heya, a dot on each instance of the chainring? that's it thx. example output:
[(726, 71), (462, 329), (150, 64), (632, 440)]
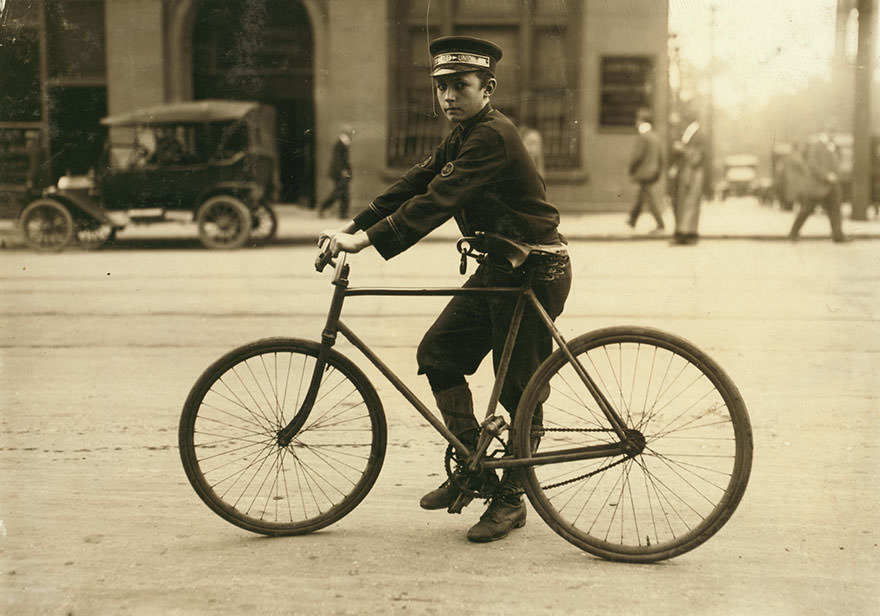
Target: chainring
[(479, 484)]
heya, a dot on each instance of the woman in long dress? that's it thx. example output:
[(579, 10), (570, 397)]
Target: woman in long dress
[(688, 194)]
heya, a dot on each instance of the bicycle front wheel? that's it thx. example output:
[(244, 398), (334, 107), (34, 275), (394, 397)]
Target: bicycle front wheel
[(229, 446), (686, 481)]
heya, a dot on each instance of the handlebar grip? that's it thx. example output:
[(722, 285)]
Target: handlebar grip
[(324, 257)]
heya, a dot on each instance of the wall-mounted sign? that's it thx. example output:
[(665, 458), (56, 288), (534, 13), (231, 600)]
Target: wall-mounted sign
[(626, 83)]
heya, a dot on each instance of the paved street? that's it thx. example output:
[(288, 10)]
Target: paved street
[(736, 218), (98, 351)]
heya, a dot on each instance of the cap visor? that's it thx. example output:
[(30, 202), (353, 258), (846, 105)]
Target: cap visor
[(454, 68)]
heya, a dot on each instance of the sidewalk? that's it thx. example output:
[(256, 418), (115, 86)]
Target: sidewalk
[(737, 218)]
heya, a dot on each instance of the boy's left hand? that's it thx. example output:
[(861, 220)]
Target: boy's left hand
[(341, 241)]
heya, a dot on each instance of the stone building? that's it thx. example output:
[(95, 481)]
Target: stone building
[(576, 70)]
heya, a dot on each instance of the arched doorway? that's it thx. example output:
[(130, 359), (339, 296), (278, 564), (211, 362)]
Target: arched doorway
[(263, 50)]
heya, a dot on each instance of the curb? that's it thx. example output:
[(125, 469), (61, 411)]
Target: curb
[(12, 241), (300, 227)]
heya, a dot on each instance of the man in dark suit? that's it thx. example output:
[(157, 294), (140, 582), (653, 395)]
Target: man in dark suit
[(645, 168), (340, 173), (820, 185)]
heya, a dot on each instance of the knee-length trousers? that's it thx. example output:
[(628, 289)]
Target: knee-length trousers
[(471, 326)]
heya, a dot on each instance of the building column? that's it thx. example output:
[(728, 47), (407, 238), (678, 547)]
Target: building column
[(135, 54), (862, 118)]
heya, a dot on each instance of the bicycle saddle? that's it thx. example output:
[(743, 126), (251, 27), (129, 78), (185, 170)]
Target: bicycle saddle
[(496, 245)]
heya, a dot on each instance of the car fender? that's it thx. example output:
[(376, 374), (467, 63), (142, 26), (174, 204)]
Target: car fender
[(248, 192), (79, 202)]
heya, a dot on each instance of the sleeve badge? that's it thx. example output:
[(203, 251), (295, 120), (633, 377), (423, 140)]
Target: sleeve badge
[(447, 169)]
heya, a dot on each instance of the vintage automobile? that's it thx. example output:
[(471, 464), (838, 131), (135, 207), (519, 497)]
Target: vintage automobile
[(212, 162), (740, 174)]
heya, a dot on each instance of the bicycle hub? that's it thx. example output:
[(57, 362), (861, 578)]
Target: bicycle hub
[(635, 443)]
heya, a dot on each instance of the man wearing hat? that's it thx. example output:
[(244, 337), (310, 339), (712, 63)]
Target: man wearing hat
[(340, 173), (482, 176), (645, 169)]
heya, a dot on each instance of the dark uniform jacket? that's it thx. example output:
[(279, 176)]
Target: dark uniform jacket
[(482, 175)]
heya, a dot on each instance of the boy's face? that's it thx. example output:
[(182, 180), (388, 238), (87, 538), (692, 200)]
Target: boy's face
[(461, 96)]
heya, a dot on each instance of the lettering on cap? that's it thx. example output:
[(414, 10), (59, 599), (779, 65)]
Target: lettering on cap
[(457, 57)]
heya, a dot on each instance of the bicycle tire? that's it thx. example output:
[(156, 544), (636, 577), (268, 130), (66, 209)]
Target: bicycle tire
[(228, 438), (673, 495)]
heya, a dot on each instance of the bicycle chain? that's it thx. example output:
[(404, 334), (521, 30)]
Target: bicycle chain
[(585, 475), (450, 456), (576, 430)]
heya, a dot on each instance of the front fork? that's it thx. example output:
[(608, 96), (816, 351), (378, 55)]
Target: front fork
[(328, 339)]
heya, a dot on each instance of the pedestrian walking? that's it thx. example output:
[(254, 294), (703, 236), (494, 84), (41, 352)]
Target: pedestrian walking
[(482, 176), (789, 171), (645, 168), (690, 159), (340, 173), (818, 183)]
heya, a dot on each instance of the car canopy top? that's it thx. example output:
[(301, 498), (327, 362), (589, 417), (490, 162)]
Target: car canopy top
[(183, 113), (741, 160)]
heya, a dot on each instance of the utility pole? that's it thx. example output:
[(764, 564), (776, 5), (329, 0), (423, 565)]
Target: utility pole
[(709, 184), (673, 75), (862, 117)]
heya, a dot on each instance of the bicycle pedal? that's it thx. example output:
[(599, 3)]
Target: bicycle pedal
[(462, 501)]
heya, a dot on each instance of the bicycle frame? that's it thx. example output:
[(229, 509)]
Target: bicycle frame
[(627, 445)]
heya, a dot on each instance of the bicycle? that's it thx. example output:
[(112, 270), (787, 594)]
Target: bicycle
[(630, 443)]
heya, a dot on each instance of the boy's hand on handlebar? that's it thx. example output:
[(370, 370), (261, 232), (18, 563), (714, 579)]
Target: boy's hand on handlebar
[(340, 241)]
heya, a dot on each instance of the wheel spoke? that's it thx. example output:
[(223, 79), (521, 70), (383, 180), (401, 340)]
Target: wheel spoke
[(230, 444), (672, 492)]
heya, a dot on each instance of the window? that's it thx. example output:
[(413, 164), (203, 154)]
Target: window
[(626, 86), (19, 63), (538, 75), (75, 33)]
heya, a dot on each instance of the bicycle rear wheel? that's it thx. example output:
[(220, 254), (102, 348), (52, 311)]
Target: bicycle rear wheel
[(673, 495), (228, 438)]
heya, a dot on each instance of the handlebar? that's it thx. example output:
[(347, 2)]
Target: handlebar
[(468, 246), (324, 257)]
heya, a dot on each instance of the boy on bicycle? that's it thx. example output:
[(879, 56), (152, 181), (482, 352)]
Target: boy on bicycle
[(482, 176)]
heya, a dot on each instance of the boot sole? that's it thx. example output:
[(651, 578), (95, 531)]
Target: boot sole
[(517, 524), (435, 507)]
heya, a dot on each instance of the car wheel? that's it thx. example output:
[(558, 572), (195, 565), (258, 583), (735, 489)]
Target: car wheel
[(93, 234), (265, 223), (224, 222), (46, 225)]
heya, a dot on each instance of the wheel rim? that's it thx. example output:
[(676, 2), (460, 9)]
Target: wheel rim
[(265, 224), (47, 226), (92, 234), (680, 488), (256, 483), (224, 223)]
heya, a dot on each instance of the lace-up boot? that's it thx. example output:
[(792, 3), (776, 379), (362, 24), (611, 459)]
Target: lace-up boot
[(441, 497), (506, 511)]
